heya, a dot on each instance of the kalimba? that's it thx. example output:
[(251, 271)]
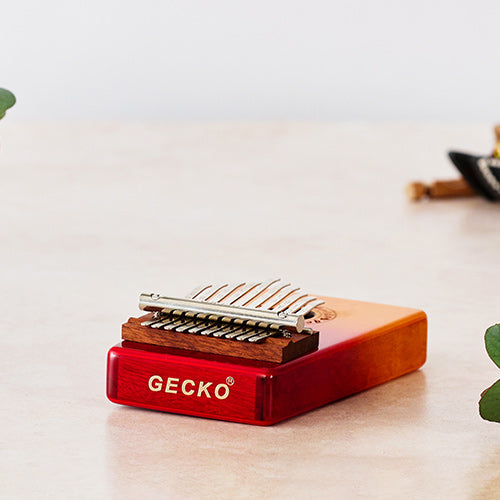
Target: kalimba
[(259, 353)]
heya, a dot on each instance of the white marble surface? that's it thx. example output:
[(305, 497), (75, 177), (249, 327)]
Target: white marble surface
[(92, 214)]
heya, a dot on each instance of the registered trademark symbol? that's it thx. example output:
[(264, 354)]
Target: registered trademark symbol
[(230, 381)]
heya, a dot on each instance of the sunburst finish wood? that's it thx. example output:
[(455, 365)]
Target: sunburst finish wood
[(347, 346)]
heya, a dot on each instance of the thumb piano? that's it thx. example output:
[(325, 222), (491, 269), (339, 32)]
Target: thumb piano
[(259, 353)]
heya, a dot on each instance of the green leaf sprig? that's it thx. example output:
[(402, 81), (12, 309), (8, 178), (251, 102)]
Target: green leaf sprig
[(489, 405), (7, 100)]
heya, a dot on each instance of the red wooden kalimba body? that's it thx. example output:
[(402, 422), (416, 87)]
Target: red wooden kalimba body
[(360, 345)]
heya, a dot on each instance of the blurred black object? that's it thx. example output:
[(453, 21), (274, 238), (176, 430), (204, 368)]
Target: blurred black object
[(480, 176), (482, 173)]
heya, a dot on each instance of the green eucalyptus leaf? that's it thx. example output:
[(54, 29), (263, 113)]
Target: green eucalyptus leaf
[(7, 100), (489, 405), (492, 340)]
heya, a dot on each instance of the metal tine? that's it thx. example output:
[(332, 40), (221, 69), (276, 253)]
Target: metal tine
[(289, 301), (244, 299), (205, 324), (233, 298), (164, 321), (230, 297), (249, 293), (270, 292), (270, 303), (197, 291), (172, 326), (185, 326), (199, 328), (206, 292), (223, 331), (262, 336), (309, 307), (210, 291), (296, 306), (235, 332), (247, 335), (152, 320), (224, 292), (212, 329)]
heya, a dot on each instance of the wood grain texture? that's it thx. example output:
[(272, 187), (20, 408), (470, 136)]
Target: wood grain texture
[(273, 349)]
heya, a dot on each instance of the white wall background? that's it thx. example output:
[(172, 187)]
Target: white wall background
[(253, 60)]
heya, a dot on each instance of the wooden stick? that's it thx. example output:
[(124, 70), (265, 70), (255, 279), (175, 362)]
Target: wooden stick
[(456, 188)]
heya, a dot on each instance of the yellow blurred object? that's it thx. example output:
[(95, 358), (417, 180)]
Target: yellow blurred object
[(496, 151)]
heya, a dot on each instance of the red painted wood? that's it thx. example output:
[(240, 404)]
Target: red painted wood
[(212, 389), (361, 345)]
